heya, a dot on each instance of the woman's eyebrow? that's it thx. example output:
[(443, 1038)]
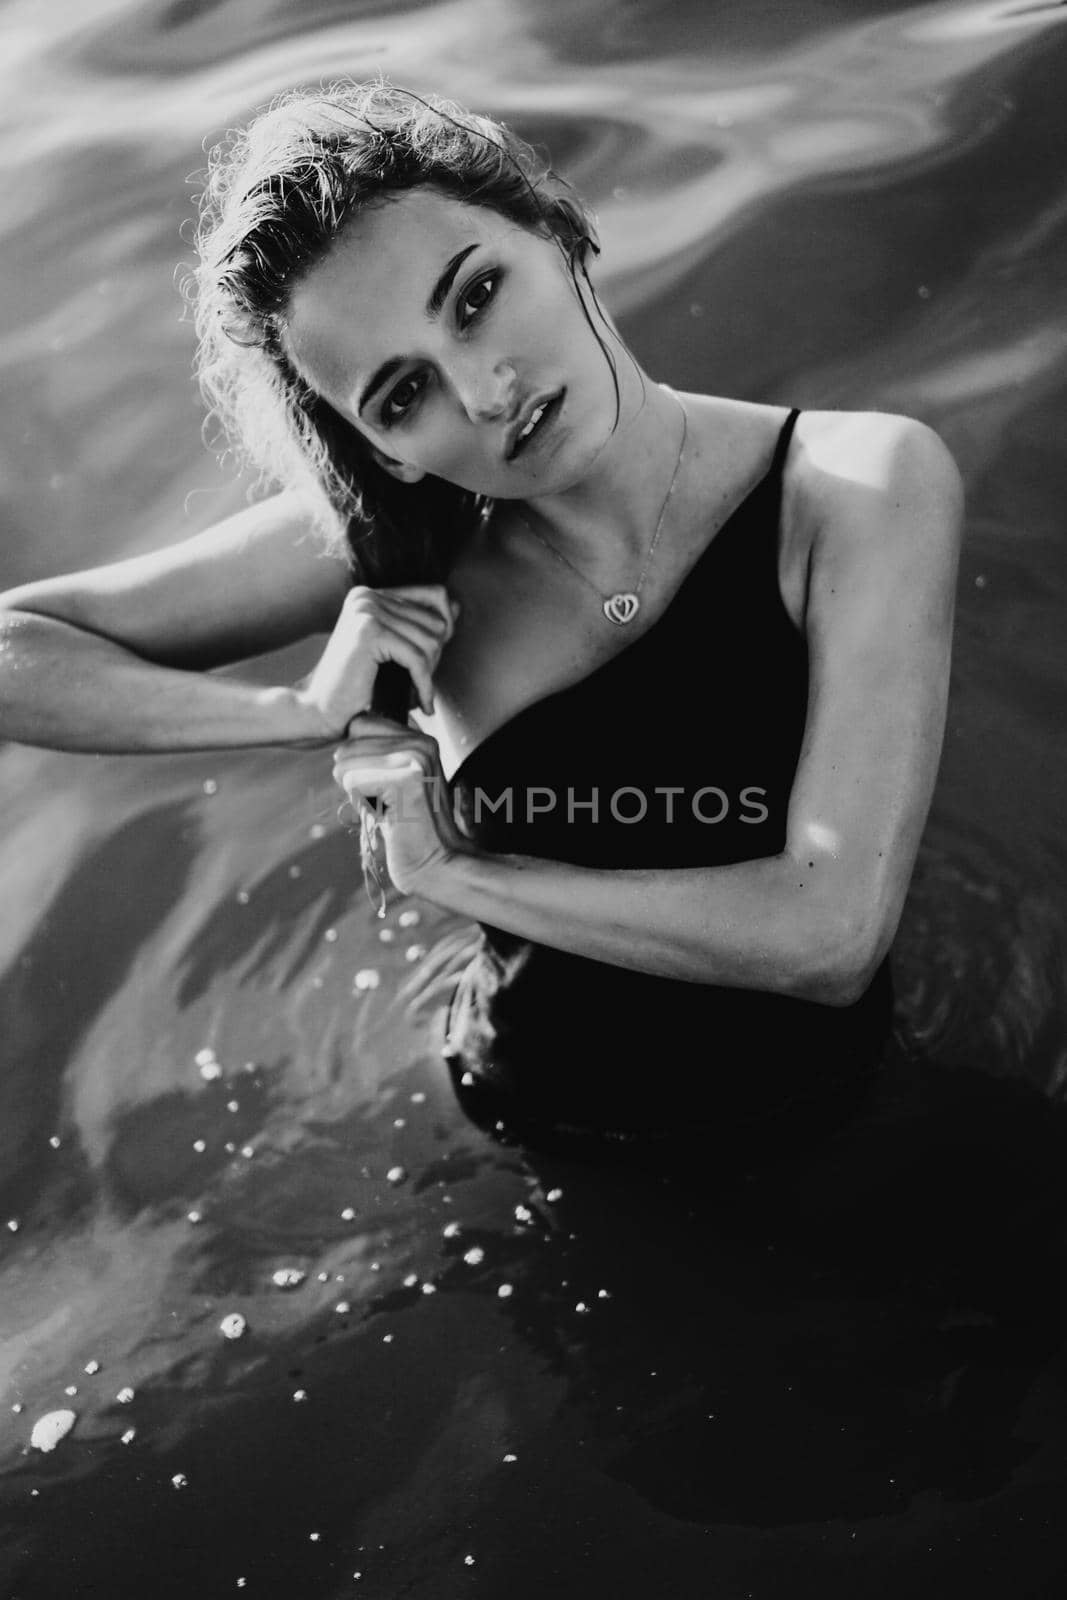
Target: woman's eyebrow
[(438, 296)]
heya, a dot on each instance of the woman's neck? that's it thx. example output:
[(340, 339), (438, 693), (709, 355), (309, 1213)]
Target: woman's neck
[(610, 516)]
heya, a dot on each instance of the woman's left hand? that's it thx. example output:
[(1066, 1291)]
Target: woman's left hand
[(398, 770)]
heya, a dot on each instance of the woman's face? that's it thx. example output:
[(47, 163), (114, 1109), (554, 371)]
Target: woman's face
[(437, 328)]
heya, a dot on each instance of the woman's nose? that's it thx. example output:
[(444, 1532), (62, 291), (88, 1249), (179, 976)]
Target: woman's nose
[(488, 393)]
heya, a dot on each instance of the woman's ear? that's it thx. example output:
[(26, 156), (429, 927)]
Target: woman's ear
[(403, 471)]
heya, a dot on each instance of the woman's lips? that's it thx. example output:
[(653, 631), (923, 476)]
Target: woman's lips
[(541, 428)]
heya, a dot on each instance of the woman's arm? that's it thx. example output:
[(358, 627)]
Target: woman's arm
[(885, 501), (114, 658), (118, 658)]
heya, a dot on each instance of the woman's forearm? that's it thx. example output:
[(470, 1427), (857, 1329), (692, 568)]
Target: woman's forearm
[(762, 924), (69, 689)]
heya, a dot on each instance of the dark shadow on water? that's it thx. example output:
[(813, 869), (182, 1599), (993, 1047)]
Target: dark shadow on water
[(98, 924), (834, 1335), (279, 929)]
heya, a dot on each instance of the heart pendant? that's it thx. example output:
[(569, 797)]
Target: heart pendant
[(621, 608)]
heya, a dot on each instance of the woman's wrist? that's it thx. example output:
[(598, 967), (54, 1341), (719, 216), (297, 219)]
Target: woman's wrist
[(440, 881), (295, 719)]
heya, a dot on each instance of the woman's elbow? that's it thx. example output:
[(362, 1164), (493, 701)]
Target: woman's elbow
[(842, 958)]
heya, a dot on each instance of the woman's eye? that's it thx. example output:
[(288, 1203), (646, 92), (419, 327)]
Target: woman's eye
[(401, 398), (478, 297)]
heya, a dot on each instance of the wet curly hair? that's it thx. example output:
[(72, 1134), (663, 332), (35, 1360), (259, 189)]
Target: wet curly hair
[(276, 195)]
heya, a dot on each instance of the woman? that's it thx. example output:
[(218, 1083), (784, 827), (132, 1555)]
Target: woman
[(680, 662)]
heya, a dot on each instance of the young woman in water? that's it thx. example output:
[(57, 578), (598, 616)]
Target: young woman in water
[(680, 662)]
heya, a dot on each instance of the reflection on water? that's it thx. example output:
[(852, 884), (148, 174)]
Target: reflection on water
[(838, 1377)]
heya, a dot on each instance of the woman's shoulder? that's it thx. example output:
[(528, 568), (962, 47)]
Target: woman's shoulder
[(747, 429), (871, 493), (875, 455), (834, 458), (826, 447), (832, 442), (733, 442)]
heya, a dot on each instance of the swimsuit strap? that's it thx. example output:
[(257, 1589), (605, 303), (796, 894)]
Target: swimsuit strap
[(786, 434)]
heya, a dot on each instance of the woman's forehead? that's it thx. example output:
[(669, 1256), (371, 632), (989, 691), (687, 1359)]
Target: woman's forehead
[(367, 299)]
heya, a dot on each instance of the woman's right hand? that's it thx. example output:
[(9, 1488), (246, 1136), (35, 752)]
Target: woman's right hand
[(409, 625)]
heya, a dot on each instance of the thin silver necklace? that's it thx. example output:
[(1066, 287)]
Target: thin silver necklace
[(623, 607)]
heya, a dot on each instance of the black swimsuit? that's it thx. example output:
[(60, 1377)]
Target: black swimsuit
[(678, 751)]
